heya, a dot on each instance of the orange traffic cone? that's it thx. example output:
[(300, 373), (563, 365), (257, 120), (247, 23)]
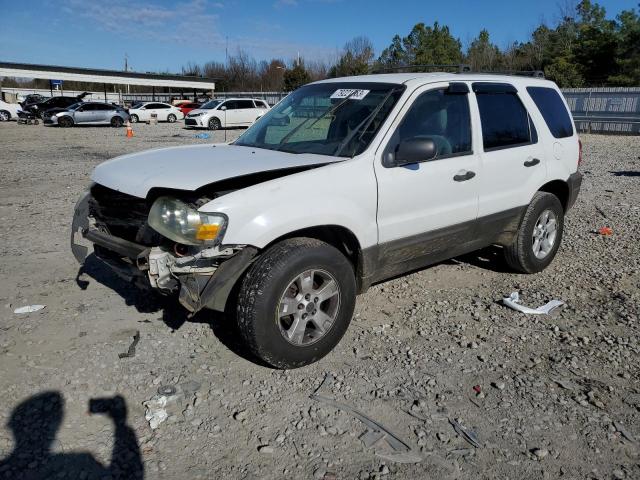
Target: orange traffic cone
[(129, 130)]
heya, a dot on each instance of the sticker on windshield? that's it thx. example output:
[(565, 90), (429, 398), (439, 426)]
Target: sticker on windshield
[(353, 94)]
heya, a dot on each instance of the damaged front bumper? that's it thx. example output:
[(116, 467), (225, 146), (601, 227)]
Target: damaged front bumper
[(202, 280)]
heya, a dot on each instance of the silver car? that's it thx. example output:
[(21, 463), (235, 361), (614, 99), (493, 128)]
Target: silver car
[(87, 113)]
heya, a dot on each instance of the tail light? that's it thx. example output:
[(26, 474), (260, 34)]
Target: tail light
[(579, 152)]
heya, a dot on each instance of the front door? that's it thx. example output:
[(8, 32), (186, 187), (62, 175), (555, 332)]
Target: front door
[(427, 210), (230, 114)]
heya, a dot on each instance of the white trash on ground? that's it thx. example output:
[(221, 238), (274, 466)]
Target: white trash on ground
[(512, 301), (29, 309), (156, 413)]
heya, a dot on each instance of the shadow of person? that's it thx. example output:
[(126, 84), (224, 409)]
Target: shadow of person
[(34, 424)]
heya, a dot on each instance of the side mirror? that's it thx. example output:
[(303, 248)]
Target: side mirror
[(223, 108), (414, 150)]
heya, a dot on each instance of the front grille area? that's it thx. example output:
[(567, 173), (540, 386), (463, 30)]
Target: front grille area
[(123, 215), (190, 121)]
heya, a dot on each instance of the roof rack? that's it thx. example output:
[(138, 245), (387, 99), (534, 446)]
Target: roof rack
[(460, 68), (521, 73)]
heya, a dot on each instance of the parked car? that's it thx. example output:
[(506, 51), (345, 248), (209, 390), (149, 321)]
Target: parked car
[(185, 108), (9, 111), (32, 99), (54, 102), (141, 112), (89, 113), (345, 183), (233, 112)]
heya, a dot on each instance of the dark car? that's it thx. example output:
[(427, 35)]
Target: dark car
[(55, 102), (32, 99)]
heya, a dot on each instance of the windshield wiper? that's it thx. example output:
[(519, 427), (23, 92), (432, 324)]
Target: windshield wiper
[(328, 111), (366, 122)]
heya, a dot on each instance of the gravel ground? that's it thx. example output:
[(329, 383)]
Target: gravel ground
[(555, 396)]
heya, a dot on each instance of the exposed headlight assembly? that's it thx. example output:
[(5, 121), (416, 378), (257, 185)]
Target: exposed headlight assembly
[(192, 115), (182, 223)]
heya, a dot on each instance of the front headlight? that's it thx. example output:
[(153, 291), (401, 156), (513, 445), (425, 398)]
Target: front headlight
[(182, 223), (192, 115)]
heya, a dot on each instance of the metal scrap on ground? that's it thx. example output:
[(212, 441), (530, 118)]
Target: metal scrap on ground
[(468, 435), (402, 453), (131, 351), (28, 309), (512, 302)]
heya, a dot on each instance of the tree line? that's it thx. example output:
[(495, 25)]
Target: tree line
[(583, 48)]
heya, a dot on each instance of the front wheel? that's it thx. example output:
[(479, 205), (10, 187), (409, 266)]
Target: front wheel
[(4, 116), (117, 122), (134, 118), (539, 235), (214, 124), (171, 118), (65, 122), (296, 302)]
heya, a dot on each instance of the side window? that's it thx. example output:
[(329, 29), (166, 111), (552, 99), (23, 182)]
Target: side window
[(103, 107), (245, 104), (440, 116), (230, 104), (553, 111), (505, 121), (161, 105)]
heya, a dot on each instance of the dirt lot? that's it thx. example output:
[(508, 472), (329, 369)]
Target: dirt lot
[(559, 395)]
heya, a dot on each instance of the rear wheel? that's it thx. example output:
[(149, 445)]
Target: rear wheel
[(171, 118), (295, 302), (214, 124), (117, 122), (539, 235), (4, 116), (134, 118), (65, 122)]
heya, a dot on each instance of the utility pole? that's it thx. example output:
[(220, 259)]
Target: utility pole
[(226, 52)]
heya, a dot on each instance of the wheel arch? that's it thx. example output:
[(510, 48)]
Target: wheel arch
[(338, 236), (560, 189), (9, 116)]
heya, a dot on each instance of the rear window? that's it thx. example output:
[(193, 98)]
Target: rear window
[(553, 111), (505, 121)]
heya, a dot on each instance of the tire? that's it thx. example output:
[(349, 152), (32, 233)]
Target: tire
[(214, 124), (521, 254), (117, 122), (65, 122), (134, 118), (4, 116), (171, 118), (270, 279)]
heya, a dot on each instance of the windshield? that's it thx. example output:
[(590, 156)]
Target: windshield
[(337, 119), (75, 106), (210, 104)]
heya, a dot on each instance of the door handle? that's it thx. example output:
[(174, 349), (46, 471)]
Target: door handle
[(532, 162), (462, 177)]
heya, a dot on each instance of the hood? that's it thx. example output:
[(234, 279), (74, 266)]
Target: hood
[(200, 110), (194, 166), (53, 111)]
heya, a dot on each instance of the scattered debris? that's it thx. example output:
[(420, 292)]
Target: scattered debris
[(540, 453), (28, 309), (371, 437), (131, 351), (156, 413), (202, 135), (468, 435), (167, 390), (267, 449), (618, 426), (605, 231), (600, 211), (402, 452), (512, 302), (477, 389)]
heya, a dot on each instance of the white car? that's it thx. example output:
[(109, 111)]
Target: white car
[(232, 112), (345, 183), (9, 111), (141, 112)]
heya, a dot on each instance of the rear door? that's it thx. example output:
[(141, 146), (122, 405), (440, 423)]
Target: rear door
[(162, 110), (85, 113), (104, 112), (513, 160), (247, 112), (426, 209)]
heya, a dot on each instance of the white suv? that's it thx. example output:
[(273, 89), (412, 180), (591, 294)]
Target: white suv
[(233, 112), (345, 183)]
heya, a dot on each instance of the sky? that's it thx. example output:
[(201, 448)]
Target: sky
[(164, 35)]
